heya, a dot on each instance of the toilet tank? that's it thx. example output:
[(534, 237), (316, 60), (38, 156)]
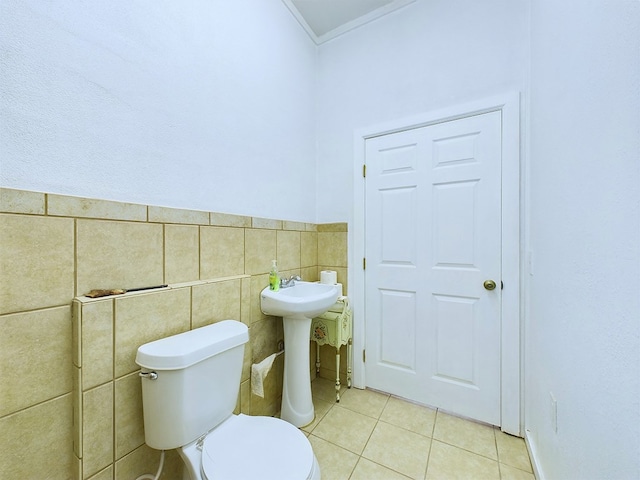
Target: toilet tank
[(197, 384)]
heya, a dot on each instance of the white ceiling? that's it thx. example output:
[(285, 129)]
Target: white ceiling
[(326, 19)]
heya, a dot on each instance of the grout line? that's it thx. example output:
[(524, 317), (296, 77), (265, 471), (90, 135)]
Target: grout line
[(114, 442), (200, 252), (42, 402), (495, 444), (244, 251), (431, 440), (114, 315), (164, 253), (191, 312), (355, 467), (75, 257), (37, 309), (433, 429)]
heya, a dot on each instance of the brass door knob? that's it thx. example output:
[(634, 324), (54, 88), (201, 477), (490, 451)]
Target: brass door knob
[(489, 284)]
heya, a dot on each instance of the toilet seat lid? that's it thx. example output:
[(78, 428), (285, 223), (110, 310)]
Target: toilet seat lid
[(247, 447)]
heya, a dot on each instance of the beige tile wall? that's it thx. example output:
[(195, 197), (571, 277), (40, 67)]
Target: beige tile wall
[(70, 389)]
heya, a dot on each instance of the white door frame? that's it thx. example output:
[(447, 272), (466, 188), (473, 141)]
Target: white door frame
[(511, 367)]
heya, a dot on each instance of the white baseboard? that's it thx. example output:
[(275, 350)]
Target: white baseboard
[(533, 455)]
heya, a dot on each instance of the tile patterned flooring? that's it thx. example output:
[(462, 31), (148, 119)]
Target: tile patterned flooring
[(371, 435)]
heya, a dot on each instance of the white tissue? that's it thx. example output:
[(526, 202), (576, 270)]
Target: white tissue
[(329, 277), (259, 372)]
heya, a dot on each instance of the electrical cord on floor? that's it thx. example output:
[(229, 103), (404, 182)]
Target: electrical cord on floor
[(149, 476)]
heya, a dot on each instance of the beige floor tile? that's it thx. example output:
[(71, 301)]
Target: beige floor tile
[(511, 473), (345, 428), (399, 449), (321, 408), (336, 463), (451, 463), (513, 451), (398, 444), (475, 437), (410, 416), (367, 470), (326, 389), (367, 402)]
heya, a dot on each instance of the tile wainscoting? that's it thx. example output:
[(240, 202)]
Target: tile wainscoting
[(70, 389)]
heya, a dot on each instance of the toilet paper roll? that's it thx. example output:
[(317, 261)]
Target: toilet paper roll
[(328, 277), (259, 372)]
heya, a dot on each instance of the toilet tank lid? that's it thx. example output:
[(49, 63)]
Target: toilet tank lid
[(185, 349)]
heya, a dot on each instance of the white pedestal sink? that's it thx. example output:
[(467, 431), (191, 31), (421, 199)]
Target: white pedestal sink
[(297, 305)]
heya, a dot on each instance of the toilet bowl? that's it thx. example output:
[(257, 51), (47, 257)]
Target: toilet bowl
[(251, 447), (190, 385)]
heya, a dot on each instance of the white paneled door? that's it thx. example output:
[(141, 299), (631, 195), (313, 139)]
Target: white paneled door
[(433, 250)]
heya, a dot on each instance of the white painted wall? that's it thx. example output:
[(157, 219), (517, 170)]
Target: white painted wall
[(583, 319), (202, 104), (582, 161), (190, 104), (427, 55)]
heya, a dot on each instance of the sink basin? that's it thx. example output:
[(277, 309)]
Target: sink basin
[(297, 305), (305, 299)]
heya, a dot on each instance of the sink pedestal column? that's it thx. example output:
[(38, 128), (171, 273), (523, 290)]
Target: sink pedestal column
[(297, 405)]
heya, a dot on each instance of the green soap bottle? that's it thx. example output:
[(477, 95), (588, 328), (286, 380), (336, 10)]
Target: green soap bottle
[(274, 278)]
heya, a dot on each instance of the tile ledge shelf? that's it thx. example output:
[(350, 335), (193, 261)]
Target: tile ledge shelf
[(175, 286)]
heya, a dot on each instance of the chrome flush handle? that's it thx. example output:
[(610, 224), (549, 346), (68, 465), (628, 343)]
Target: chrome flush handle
[(149, 375)]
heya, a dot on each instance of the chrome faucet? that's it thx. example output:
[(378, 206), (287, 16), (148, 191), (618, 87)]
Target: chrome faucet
[(286, 283)]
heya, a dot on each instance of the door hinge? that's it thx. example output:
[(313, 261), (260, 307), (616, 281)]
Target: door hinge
[(364, 170), (364, 263), (364, 355)]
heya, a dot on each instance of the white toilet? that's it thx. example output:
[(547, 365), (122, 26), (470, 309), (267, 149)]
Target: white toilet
[(189, 390)]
